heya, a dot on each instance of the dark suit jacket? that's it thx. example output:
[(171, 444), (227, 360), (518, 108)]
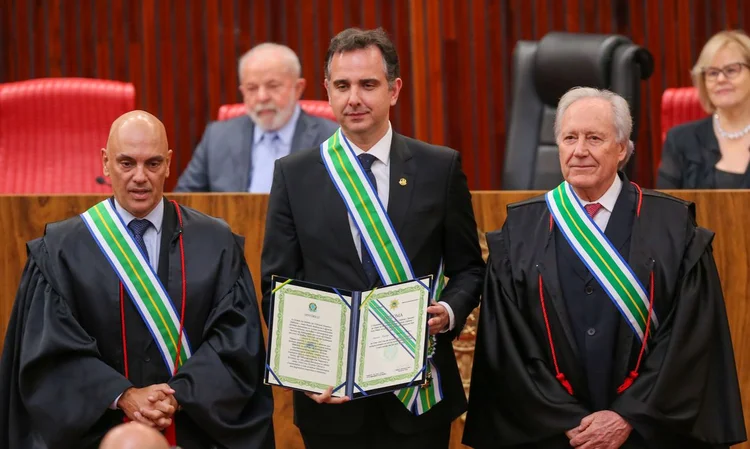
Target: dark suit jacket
[(308, 237), (222, 162), (689, 157)]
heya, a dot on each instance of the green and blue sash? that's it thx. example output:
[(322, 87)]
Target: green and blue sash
[(141, 282), (601, 258)]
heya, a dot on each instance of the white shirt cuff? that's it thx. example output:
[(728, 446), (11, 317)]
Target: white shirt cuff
[(452, 323), (113, 405)]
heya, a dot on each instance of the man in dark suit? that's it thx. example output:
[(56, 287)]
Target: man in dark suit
[(311, 236), (237, 155)]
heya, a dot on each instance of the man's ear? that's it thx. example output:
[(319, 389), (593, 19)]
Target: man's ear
[(299, 87), (105, 159)]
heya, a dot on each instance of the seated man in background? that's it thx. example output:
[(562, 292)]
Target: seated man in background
[(238, 155), (138, 309), (134, 435), (603, 322)]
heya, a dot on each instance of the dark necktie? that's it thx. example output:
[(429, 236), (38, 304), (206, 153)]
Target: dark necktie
[(139, 227), (592, 209), (372, 273)]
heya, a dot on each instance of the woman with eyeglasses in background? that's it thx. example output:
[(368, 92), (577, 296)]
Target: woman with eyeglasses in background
[(714, 153)]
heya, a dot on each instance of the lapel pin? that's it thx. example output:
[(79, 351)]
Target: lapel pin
[(402, 181)]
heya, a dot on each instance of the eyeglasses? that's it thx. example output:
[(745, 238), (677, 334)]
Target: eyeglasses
[(730, 71)]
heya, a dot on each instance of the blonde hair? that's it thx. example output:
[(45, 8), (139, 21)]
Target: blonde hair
[(717, 42)]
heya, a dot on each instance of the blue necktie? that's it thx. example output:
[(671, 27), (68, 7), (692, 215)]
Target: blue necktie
[(139, 227), (370, 270)]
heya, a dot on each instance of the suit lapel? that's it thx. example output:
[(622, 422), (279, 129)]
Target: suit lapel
[(169, 232), (402, 181), (552, 290), (335, 210), (620, 222), (305, 133), (242, 154)]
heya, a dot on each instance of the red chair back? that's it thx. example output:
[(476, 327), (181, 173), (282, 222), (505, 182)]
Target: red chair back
[(679, 105), (318, 108), (52, 131)]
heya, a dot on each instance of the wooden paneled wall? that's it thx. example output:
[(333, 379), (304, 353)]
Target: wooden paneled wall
[(22, 218), (455, 55)]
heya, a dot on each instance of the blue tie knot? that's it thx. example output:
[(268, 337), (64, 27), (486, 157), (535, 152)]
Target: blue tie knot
[(271, 137), (366, 160), (139, 227)]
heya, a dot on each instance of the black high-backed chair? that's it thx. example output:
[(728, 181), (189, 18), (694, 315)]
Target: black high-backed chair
[(542, 72)]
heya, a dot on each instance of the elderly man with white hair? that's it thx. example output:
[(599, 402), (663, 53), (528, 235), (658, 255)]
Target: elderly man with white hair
[(238, 155), (603, 322)]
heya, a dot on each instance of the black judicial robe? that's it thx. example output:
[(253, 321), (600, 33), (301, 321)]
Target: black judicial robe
[(62, 365), (687, 393)]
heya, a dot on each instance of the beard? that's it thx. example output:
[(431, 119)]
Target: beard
[(273, 117)]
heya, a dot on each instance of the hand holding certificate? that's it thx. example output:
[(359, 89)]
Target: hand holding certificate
[(355, 343)]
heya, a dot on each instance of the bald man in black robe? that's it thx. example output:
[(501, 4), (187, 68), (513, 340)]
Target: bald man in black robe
[(79, 358)]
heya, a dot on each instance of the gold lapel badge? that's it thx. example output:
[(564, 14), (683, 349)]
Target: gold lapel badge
[(402, 181)]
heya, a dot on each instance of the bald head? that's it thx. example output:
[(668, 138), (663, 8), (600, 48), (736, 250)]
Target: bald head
[(137, 124), (137, 160), (134, 436)]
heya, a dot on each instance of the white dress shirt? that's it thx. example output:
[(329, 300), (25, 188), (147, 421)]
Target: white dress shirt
[(152, 236), (152, 239), (607, 201), (266, 150), (382, 172)]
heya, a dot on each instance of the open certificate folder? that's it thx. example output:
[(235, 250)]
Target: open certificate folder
[(359, 343)]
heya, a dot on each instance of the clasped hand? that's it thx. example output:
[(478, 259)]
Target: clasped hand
[(601, 430), (153, 406)]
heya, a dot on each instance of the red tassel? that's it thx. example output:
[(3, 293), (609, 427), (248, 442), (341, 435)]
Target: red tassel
[(171, 434), (564, 382), (627, 382)]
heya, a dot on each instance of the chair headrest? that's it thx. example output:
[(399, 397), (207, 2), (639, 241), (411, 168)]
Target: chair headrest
[(567, 60)]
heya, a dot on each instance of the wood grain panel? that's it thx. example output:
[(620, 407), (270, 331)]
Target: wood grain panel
[(22, 218), (464, 113), (181, 145), (215, 79), (400, 34), (419, 70), (435, 70), (69, 62), (646, 21), (455, 56), (308, 57)]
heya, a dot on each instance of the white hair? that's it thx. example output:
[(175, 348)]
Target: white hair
[(623, 121), (286, 53)]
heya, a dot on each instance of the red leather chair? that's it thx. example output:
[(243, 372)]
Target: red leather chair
[(52, 131), (679, 105), (318, 108)]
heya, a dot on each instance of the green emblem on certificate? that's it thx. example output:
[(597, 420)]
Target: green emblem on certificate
[(313, 307), (394, 304)]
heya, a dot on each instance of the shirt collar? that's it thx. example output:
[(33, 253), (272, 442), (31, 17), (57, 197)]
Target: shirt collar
[(381, 150), (609, 198), (286, 132), (156, 216)]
